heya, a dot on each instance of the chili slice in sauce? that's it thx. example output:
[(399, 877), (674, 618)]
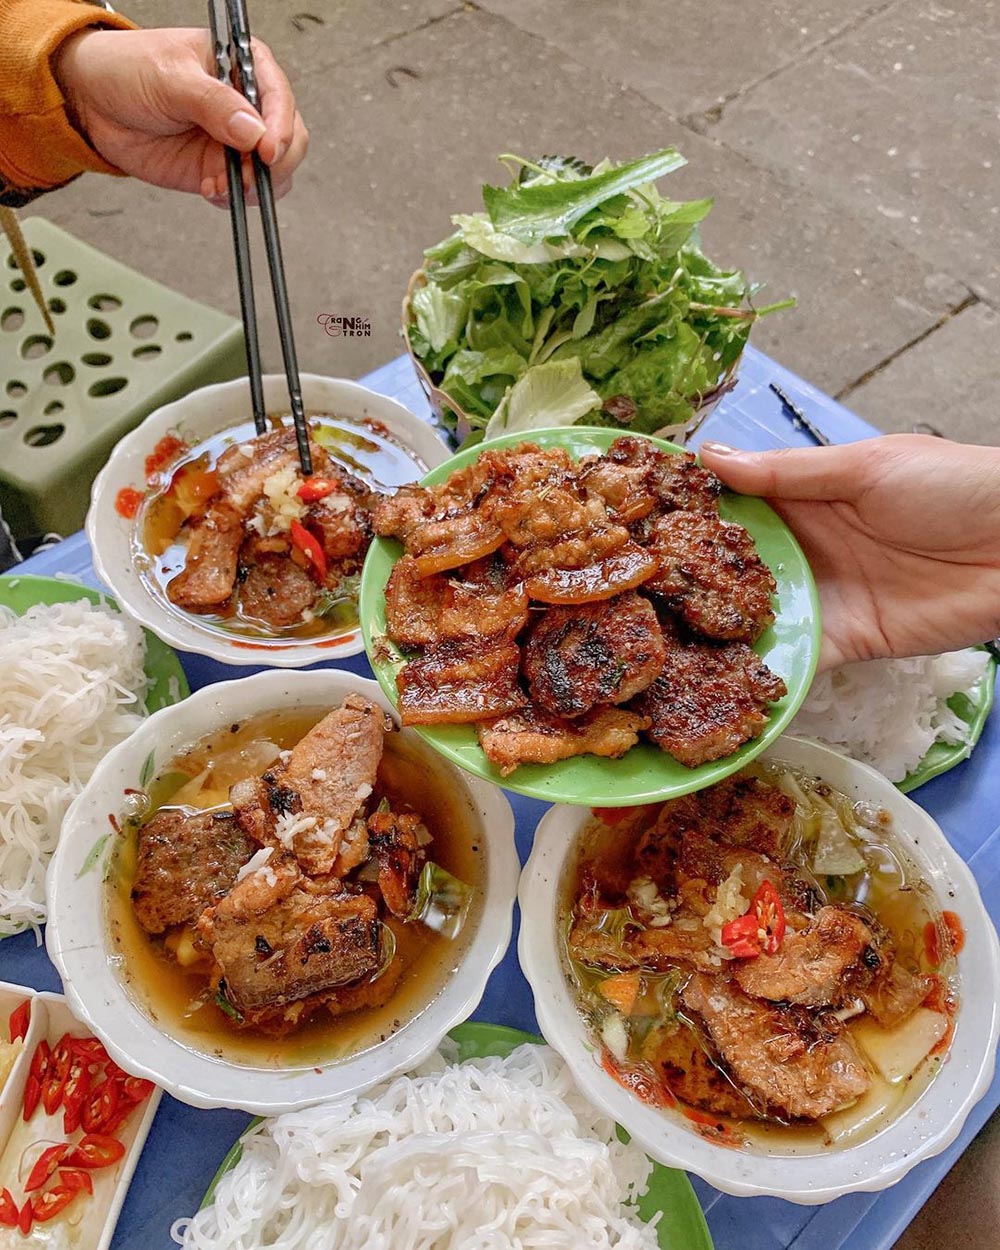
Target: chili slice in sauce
[(19, 1020)]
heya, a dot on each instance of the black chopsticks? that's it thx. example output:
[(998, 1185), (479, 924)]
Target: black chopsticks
[(798, 418), (230, 28)]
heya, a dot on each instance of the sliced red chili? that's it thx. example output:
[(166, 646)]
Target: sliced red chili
[(48, 1205), (26, 1218), (36, 1075), (314, 488), (90, 1050), (113, 1072), (770, 916), (75, 1093), (309, 545), (136, 1089), (128, 501), (19, 1020), (45, 1165), (740, 936), (77, 1178), (956, 931), (8, 1210), (100, 1105), (57, 1075), (96, 1150)]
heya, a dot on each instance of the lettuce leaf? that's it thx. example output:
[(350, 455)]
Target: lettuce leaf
[(548, 395), (546, 210)]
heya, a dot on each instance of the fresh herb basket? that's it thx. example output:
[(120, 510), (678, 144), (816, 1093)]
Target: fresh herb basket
[(580, 293)]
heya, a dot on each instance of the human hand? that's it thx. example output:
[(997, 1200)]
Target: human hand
[(149, 102), (902, 532)]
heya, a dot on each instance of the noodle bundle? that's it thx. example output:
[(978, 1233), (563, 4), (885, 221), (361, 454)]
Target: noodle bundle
[(71, 687), (490, 1154)]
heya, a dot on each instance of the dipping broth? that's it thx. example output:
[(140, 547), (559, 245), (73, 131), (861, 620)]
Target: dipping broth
[(635, 991), (178, 999), (366, 450)]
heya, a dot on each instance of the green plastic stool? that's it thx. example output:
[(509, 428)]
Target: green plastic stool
[(124, 345)]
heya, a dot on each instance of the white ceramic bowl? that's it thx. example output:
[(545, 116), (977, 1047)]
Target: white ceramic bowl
[(79, 944), (198, 416), (923, 1129)]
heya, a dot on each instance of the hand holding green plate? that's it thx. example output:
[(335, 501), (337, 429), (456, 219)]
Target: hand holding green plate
[(645, 774)]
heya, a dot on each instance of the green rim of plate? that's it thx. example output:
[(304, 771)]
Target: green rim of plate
[(972, 708), (645, 774), (682, 1225), (20, 591)]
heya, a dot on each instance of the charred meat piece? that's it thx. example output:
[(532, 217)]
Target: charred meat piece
[(700, 858), (576, 658), (460, 681), (211, 562), (475, 610), (340, 520), (530, 513), (244, 468), (307, 805), (275, 590), (596, 941), (618, 566), (823, 965), (186, 862), (710, 573), (745, 811), (803, 1066), (395, 840), (692, 1075), (413, 604), (635, 478), (530, 736), (299, 945), (708, 700)]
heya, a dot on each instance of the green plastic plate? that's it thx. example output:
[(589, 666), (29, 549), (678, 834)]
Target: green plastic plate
[(973, 709), (19, 591), (645, 774), (682, 1225)]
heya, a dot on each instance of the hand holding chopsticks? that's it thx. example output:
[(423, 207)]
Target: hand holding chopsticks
[(234, 61)]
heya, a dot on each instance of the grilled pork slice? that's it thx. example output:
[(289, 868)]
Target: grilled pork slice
[(700, 858), (277, 943), (210, 565), (394, 838), (708, 700), (745, 811), (531, 736), (460, 681), (275, 589), (635, 479), (802, 1065), (186, 862), (584, 567), (711, 575), (823, 965), (579, 657), (307, 805), (478, 603), (244, 468), (678, 1057), (620, 948), (340, 520)]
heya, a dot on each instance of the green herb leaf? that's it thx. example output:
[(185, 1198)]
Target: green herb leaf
[(146, 772), (544, 210), (225, 1006)]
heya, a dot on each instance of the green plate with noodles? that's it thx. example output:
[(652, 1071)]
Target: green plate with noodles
[(681, 1226)]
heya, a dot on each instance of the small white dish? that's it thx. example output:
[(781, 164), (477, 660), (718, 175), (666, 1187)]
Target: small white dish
[(923, 1129), (80, 946), (198, 416), (50, 1019)]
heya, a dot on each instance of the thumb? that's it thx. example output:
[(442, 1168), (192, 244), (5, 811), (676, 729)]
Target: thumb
[(819, 473), (217, 108)]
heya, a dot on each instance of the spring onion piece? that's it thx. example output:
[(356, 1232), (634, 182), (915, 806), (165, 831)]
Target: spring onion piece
[(225, 1006), (442, 902)]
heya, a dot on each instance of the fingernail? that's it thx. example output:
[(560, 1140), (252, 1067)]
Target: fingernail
[(245, 128), (279, 152), (719, 449)]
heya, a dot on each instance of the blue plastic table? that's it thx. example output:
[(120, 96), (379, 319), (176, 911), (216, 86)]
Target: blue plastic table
[(186, 1146)]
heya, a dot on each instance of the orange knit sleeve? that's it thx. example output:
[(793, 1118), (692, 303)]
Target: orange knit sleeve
[(39, 147)]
